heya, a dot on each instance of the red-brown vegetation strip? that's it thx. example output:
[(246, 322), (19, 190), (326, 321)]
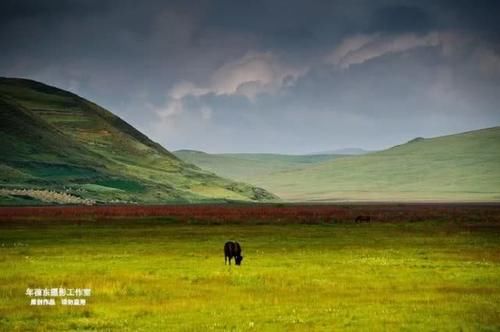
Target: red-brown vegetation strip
[(265, 213)]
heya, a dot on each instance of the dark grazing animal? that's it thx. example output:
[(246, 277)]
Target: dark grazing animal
[(232, 249), (362, 218)]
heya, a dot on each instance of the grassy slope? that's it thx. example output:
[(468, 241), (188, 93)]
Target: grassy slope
[(248, 166), (426, 276), (457, 167), (54, 139)]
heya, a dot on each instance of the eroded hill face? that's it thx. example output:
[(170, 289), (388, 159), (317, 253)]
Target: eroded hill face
[(55, 140)]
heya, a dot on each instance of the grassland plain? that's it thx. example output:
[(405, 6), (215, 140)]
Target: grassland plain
[(154, 274)]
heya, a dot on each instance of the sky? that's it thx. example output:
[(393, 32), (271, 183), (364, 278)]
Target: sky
[(276, 76)]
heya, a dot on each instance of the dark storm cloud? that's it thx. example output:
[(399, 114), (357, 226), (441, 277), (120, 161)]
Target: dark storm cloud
[(290, 76), (402, 19), (13, 10), (480, 15)]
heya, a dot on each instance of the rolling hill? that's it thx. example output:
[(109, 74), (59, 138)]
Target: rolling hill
[(461, 167), (53, 140), (250, 165)]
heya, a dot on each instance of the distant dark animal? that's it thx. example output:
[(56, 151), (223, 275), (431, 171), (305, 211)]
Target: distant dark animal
[(362, 218), (232, 249)]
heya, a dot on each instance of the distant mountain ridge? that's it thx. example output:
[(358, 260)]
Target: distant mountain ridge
[(54, 140), (344, 151)]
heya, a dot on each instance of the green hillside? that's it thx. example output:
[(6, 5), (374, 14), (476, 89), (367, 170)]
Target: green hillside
[(54, 140), (461, 167), (249, 166)]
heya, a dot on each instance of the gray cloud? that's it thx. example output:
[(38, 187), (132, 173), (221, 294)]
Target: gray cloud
[(287, 76)]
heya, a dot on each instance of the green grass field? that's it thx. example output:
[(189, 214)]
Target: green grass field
[(154, 275)]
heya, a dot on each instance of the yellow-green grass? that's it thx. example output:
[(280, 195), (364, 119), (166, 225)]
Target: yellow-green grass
[(155, 275)]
